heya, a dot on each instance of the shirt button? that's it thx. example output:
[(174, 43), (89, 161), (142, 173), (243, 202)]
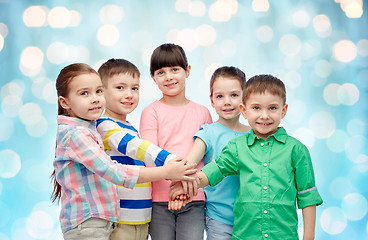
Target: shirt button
[(265, 187), (265, 211), (262, 144), (265, 164), (266, 235)]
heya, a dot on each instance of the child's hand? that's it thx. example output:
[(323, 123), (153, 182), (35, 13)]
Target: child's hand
[(191, 188), (178, 197), (178, 170), (179, 202)]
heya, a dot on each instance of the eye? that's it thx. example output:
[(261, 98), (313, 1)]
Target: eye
[(175, 69), (234, 95), (99, 91), (219, 96), (84, 93), (120, 87), (273, 108), (256, 108), (135, 88)]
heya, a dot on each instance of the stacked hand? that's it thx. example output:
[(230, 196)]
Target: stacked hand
[(182, 192)]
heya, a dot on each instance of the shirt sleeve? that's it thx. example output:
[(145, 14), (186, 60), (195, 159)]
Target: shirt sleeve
[(304, 176), (149, 125), (225, 164), (205, 136), (118, 138), (86, 151)]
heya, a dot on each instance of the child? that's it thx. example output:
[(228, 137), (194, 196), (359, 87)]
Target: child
[(226, 86), (171, 123), (275, 170), (84, 176), (120, 79)]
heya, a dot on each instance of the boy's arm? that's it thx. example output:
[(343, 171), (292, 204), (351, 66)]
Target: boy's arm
[(309, 220), (197, 151), (119, 139)]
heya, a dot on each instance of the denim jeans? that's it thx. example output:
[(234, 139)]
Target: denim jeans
[(92, 228), (186, 223), (216, 230)]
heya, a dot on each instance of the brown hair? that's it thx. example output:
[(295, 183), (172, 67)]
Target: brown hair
[(168, 55), (262, 83), (116, 66), (228, 72), (62, 87)]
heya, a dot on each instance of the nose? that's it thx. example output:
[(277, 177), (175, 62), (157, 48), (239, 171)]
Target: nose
[(169, 76), (264, 114), (128, 93), (95, 98)]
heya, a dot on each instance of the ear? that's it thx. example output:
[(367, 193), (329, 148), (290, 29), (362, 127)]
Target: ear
[(187, 71), (242, 110), (64, 102), (212, 103), (284, 110)]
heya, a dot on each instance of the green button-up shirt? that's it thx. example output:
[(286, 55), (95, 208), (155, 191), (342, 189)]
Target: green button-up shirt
[(275, 176)]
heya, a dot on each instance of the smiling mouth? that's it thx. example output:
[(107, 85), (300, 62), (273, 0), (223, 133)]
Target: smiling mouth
[(95, 108), (264, 124), (170, 84), (127, 103)]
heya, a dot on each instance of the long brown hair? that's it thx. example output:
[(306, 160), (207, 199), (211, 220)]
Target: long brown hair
[(63, 80)]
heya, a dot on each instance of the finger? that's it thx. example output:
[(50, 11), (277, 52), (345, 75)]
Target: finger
[(185, 186)]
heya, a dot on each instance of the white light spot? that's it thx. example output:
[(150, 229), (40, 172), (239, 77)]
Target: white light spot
[(292, 79), (354, 9), (222, 10), (305, 136), (210, 69), (49, 93), (363, 47), (344, 51), (30, 114), (197, 9), (35, 16), (11, 88), (356, 126), (333, 220), (354, 147), (290, 45), (301, 19), (336, 142), (321, 24), (111, 14), (38, 129), (323, 68), (354, 206), (260, 5), (3, 30), (75, 19), (59, 17), (330, 94), (348, 94), (228, 48), (322, 124), (108, 35), (57, 52), (340, 187), (206, 35), (10, 163), (31, 60), (1, 42), (264, 34), (39, 225), (182, 5), (187, 39), (11, 105), (6, 128)]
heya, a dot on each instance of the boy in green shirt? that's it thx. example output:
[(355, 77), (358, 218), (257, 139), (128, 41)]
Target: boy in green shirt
[(275, 170)]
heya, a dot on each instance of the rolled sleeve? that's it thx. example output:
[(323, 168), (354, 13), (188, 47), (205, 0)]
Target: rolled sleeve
[(213, 173), (309, 197)]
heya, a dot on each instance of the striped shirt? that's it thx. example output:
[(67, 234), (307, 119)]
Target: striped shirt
[(86, 174), (124, 145)]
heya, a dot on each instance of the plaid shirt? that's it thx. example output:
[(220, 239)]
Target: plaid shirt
[(86, 174)]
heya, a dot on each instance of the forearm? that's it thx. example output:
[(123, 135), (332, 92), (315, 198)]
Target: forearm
[(203, 180), (197, 151), (152, 174), (309, 220)]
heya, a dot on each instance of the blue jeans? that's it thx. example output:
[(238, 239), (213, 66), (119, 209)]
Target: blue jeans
[(186, 223), (216, 230)]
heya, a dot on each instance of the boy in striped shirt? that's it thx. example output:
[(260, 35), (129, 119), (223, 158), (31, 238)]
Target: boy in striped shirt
[(120, 79)]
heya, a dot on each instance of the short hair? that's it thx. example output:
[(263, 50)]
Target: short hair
[(117, 66), (168, 55), (229, 72), (262, 83)]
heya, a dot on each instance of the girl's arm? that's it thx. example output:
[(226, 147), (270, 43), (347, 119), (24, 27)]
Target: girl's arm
[(197, 151), (309, 220)]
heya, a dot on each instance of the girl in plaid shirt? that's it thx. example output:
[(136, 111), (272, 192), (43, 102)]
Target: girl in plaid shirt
[(84, 176)]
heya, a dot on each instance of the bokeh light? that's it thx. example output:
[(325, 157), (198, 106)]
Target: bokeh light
[(318, 48)]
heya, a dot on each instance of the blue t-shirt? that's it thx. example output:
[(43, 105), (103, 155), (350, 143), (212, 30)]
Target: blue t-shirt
[(219, 199)]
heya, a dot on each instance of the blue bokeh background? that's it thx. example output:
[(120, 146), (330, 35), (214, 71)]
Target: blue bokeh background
[(318, 48)]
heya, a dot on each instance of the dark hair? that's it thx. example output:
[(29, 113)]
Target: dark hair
[(229, 72), (168, 55), (62, 87), (262, 83), (64, 78), (116, 66)]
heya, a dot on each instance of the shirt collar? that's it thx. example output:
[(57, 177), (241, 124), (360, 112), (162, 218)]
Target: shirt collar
[(279, 136), (61, 119)]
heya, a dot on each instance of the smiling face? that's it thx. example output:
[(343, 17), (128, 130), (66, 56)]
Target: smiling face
[(171, 80), (264, 112), (85, 98), (226, 98), (122, 95)]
